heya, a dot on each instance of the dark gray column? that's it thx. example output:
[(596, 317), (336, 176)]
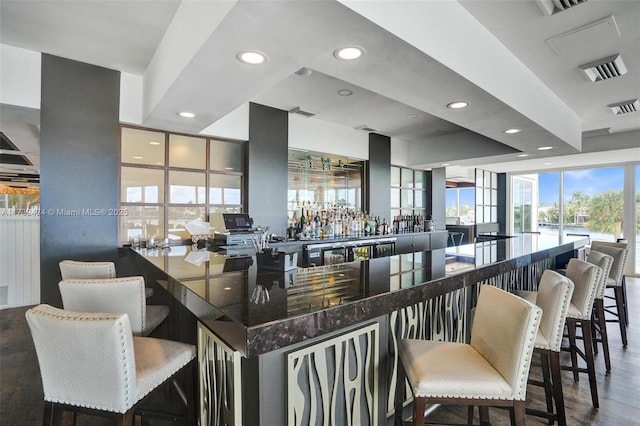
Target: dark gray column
[(267, 167), (502, 203), (436, 196), (79, 140), (377, 200)]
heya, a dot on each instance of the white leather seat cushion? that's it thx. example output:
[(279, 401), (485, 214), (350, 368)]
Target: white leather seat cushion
[(157, 360), (446, 369), (154, 316)]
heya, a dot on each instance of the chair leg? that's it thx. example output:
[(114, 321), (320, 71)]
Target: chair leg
[(571, 326), (519, 413), (418, 411), (470, 414), (622, 318), (47, 414), (484, 415), (624, 298), (554, 358), (548, 386), (602, 324), (591, 368)]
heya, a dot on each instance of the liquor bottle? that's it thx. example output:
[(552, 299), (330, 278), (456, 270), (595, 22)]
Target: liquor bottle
[(303, 220)]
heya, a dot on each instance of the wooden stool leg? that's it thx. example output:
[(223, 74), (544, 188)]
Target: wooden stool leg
[(599, 304), (546, 379), (519, 413), (554, 358), (624, 299), (571, 326), (470, 415), (484, 415), (591, 367), (47, 414), (622, 318), (418, 411)]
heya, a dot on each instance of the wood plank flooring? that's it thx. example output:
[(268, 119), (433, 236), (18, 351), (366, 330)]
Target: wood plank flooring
[(21, 388)]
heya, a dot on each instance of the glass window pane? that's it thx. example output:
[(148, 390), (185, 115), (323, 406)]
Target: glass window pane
[(479, 215), (395, 176), (138, 185), (419, 198), (395, 197), (494, 180), (142, 147), (451, 202), (142, 222), (186, 151), (479, 178), (225, 189), (487, 214), (225, 156), (419, 179), (407, 178), (186, 187), (593, 202), (179, 217), (487, 197), (407, 198), (494, 197)]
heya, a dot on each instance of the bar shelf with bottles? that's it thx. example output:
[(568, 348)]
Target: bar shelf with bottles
[(327, 222)]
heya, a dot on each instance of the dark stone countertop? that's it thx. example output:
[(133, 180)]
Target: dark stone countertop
[(257, 311)]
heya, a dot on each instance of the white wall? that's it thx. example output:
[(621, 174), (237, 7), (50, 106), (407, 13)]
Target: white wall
[(234, 125), (399, 152), (310, 134), (131, 98), (19, 260), (19, 77)]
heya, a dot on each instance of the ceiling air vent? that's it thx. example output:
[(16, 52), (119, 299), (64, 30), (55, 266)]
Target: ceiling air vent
[(365, 128), (554, 6), (605, 68), (298, 111), (625, 107)]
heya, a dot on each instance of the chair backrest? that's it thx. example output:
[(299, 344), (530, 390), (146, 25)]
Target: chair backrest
[(604, 262), (619, 253), (585, 278), (553, 297), (124, 295), (86, 359), (504, 332), (73, 270)]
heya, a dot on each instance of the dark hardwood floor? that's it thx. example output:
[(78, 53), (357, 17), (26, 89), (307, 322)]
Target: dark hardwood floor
[(21, 387)]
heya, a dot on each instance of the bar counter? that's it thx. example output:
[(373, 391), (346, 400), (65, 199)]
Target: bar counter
[(259, 318)]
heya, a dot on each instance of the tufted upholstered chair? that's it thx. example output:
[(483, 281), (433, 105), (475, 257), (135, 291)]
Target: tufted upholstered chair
[(75, 269), (114, 295), (90, 362), (616, 282), (585, 277), (490, 371), (553, 297), (598, 321)]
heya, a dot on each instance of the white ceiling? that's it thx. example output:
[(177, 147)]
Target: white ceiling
[(419, 56)]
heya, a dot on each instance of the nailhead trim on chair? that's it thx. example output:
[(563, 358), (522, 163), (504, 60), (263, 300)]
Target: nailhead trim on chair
[(520, 393), (70, 315)]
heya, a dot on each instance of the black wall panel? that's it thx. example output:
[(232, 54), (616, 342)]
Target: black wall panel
[(436, 204), (267, 167), (79, 140), (378, 170)]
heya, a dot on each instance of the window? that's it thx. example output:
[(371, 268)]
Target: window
[(460, 204), (408, 194), (168, 180), (486, 196)]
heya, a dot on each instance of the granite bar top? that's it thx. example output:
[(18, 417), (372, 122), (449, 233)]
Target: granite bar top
[(258, 310)]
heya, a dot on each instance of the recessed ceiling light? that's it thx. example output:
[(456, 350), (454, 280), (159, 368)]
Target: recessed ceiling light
[(228, 168), (348, 53), (523, 155), (512, 131), (458, 105), (252, 57), (137, 157), (548, 164), (412, 116), (545, 148), (154, 143), (345, 92), (227, 288), (159, 163), (445, 164), (186, 114)]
